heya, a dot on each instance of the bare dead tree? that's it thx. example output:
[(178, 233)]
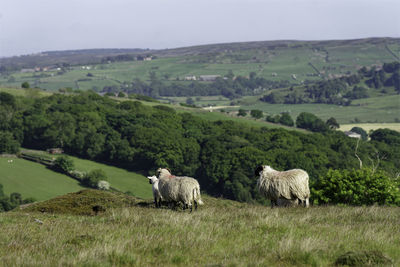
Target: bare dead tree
[(375, 164), (355, 153)]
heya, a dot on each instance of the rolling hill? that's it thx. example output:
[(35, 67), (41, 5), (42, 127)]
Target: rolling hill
[(32, 179), (292, 61)]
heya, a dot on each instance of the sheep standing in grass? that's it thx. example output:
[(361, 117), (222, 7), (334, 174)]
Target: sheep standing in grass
[(288, 187), (153, 180), (179, 189)]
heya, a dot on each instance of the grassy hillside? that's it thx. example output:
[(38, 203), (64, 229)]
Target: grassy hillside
[(120, 179), (24, 92), (34, 180), (375, 109), (276, 61), (220, 233)]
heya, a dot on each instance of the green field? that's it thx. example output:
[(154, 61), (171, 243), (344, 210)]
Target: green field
[(272, 62), (24, 92), (120, 179), (220, 233), (34, 180), (374, 109)]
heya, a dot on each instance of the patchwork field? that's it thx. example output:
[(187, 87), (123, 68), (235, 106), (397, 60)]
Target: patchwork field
[(294, 61), (123, 180)]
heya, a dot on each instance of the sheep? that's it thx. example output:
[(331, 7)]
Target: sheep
[(285, 188), (153, 180), (179, 189)]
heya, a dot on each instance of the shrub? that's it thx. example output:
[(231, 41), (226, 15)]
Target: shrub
[(25, 85), (64, 164), (310, 122), (286, 119), (93, 178), (242, 112), (256, 113), (356, 187)]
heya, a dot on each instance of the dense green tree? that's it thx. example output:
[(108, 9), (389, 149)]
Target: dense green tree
[(256, 113), (387, 136), (25, 85), (286, 119), (332, 123), (361, 131), (242, 112), (310, 122), (7, 143), (64, 164)]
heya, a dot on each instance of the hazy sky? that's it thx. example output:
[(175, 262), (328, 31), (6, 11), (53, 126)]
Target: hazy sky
[(29, 26)]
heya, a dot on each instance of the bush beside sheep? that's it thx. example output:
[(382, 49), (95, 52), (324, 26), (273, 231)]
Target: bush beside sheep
[(283, 188), (179, 189)]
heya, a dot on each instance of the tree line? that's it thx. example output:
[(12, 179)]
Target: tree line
[(222, 155), (228, 86)]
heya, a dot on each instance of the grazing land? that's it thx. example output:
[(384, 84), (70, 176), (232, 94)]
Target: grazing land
[(120, 179), (383, 109), (220, 233), (294, 61), (31, 179)]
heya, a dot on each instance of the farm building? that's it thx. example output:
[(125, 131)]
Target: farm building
[(209, 78), (55, 150), (190, 78), (352, 134)]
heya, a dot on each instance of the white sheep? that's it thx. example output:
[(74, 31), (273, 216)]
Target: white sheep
[(179, 189), (283, 188), (153, 180)]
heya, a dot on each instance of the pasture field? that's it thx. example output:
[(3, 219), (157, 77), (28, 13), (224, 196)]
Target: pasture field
[(120, 179), (34, 180), (273, 63), (372, 110), (25, 92), (220, 233), (371, 126)]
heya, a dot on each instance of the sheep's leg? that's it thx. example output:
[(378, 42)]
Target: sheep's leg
[(307, 203), (155, 202), (274, 202), (195, 205)]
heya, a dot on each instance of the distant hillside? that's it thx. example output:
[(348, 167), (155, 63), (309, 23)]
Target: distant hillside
[(67, 57)]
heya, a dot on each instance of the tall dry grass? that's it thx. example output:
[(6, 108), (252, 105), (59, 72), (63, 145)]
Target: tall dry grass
[(220, 233)]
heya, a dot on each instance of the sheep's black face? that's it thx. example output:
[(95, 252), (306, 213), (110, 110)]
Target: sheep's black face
[(150, 182), (258, 170)]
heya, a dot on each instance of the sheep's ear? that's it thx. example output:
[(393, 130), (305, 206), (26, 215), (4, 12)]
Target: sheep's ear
[(258, 170)]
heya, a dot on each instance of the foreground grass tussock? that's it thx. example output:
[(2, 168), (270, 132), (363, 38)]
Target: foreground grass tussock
[(84, 202), (220, 233)]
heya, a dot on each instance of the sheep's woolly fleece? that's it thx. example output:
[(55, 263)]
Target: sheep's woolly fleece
[(178, 189), (289, 184)]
